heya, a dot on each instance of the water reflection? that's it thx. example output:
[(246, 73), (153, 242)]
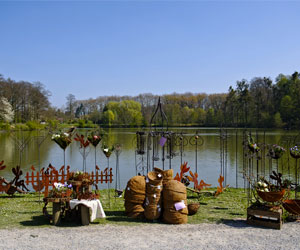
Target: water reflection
[(208, 155)]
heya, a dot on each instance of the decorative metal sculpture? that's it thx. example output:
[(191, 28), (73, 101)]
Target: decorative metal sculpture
[(42, 180), (94, 138), (118, 191), (223, 153), (83, 149), (107, 151), (160, 144), (63, 140), (15, 185)]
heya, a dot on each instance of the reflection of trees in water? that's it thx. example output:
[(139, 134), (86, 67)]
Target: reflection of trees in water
[(208, 153), (10, 152)]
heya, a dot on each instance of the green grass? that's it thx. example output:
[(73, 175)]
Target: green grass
[(25, 210)]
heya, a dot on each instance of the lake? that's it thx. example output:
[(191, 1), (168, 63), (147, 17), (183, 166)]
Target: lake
[(212, 153)]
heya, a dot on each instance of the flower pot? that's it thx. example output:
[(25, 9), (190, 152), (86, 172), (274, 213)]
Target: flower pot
[(292, 206), (271, 196)]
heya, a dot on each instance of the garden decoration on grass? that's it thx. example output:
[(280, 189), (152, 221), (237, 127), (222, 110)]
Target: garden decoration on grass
[(118, 191), (15, 185), (82, 184), (61, 190), (220, 188), (94, 137), (83, 149), (63, 140), (182, 177), (196, 141), (270, 192), (107, 151), (198, 186)]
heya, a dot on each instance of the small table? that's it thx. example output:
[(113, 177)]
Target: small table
[(89, 210)]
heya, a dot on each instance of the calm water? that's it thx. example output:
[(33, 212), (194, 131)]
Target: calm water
[(208, 154)]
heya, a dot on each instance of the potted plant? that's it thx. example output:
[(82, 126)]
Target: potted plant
[(60, 190)]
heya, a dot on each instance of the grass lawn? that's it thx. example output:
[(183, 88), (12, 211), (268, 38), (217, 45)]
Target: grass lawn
[(25, 210)]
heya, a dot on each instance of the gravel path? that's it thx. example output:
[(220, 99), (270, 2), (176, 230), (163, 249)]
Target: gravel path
[(234, 235)]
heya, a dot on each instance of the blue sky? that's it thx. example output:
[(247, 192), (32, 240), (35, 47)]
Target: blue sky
[(96, 48)]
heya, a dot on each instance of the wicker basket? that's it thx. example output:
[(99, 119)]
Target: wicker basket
[(193, 208)]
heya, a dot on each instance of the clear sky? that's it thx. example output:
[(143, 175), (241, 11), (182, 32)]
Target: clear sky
[(95, 48)]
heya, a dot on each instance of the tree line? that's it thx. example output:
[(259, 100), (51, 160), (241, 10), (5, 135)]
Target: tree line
[(259, 102)]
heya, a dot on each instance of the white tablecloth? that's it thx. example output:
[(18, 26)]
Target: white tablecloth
[(95, 207)]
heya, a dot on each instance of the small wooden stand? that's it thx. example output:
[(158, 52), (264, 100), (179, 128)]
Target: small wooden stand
[(265, 216), (56, 208)]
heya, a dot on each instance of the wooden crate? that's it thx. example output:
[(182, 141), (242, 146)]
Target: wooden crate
[(265, 216)]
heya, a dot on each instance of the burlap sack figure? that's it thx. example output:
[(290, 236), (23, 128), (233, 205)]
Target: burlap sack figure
[(153, 195), (175, 197), (167, 174), (135, 194)]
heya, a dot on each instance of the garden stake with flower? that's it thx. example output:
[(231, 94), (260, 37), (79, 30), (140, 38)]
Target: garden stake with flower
[(276, 152), (63, 140), (118, 184), (295, 153), (94, 138), (83, 149), (107, 151)]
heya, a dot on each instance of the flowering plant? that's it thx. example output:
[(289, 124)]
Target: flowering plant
[(265, 186), (252, 144), (276, 151), (84, 177), (60, 190), (94, 138), (62, 139), (107, 150), (295, 152)]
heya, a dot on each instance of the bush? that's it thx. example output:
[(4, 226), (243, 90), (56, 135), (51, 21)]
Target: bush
[(21, 126), (52, 123), (81, 124), (33, 125), (4, 126)]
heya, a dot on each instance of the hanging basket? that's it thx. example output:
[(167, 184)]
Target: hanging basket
[(292, 206), (294, 155), (271, 196)]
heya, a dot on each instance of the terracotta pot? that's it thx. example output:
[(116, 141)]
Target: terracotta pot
[(292, 206), (271, 196)]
